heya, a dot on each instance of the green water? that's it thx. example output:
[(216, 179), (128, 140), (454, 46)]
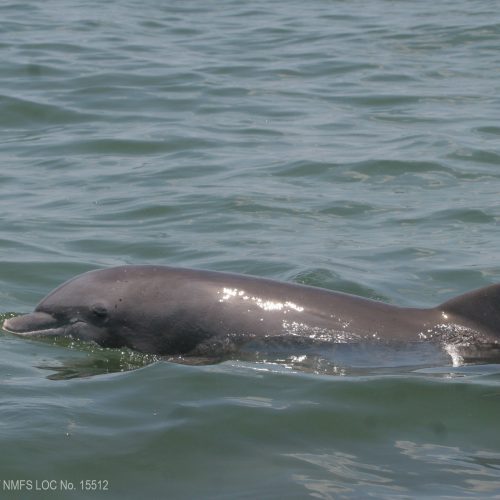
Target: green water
[(349, 145)]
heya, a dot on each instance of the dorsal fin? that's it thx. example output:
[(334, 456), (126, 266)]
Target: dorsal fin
[(481, 306)]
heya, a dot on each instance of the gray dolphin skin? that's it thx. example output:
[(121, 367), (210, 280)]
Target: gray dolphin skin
[(185, 312)]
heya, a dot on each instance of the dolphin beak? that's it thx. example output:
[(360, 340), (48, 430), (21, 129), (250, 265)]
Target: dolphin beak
[(32, 324)]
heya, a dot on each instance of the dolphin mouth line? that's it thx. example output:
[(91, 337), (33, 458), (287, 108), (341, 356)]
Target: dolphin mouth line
[(36, 324), (46, 332)]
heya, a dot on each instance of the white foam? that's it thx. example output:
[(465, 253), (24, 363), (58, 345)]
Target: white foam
[(456, 358)]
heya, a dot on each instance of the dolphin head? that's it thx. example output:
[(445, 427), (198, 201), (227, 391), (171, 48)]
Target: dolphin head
[(127, 306), (82, 308)]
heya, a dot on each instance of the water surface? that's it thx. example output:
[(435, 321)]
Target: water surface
[(349, 145)]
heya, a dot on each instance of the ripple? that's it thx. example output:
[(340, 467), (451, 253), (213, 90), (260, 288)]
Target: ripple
[(370, 168), (398, 167), (347, 208), (16, 112), (477, 156), (465, 215), (145, 214), (126, 147), (381, 100), (306, 168), (490, 130)]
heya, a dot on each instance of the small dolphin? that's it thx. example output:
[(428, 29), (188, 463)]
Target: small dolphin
[(185, 312)]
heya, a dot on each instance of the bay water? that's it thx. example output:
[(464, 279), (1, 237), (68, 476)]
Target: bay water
[(352, 145)]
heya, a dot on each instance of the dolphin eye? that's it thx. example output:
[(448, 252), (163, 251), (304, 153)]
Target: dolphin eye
[(99, 310)]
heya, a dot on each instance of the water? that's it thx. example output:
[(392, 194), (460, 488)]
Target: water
[(349, 145)]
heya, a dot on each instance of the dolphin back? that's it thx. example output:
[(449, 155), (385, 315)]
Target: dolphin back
[(480, 307)]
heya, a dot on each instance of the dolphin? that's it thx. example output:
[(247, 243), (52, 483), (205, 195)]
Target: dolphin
[(194, 313)]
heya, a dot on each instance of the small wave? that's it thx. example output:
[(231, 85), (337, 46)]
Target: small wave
[(306, 168), (398, 167), (125, 147), (18, 112), (475, 156), (495, 131), (463, 215)]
